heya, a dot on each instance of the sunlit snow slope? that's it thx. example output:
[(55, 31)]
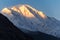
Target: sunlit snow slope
[(28, 19)]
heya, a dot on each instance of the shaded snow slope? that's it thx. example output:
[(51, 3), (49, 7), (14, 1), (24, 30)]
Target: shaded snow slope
[(27, 18)]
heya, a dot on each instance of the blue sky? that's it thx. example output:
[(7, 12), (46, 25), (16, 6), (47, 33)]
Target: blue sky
[(49, 7)]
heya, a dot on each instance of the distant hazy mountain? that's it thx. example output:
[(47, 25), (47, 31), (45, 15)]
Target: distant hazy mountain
[(29, 19)]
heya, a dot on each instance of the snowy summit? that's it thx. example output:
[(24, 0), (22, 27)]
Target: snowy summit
[(28, 19)]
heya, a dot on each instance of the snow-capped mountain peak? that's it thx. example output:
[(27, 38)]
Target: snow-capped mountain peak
[(6, 11), (38, 12), (28, 18), (24, 10)]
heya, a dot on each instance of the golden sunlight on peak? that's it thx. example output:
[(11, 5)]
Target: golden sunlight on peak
[(42, 14), (15, 9), (26, 12), (39, 12), (6, 10)]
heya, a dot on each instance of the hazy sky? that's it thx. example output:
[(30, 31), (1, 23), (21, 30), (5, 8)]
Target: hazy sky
[(49, 7)]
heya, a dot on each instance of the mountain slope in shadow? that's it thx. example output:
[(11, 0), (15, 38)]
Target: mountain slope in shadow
[(9, 32)]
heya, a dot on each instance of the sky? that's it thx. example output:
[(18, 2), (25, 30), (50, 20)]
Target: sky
[(49, 7)]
